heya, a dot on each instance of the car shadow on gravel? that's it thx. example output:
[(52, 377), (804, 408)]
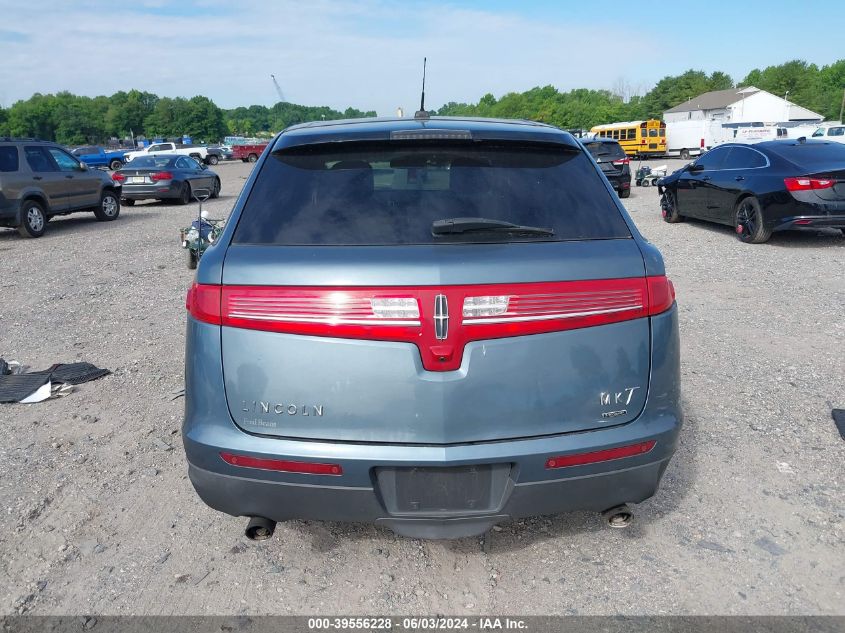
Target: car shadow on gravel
[(797, 238), (82, 223)]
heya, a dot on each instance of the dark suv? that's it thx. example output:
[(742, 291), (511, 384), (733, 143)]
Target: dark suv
[(432, 324), (614, 163), (39, 179)]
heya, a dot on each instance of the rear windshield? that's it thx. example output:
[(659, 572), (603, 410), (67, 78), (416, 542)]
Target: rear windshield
[(812, 155), (152, 161), (386, 194), (600, 150), (8, 158)]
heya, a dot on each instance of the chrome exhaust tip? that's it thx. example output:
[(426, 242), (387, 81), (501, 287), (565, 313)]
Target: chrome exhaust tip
[(618, 517), (259, 529)]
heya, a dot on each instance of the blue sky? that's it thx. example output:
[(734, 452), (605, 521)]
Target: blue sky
[(368, 53)]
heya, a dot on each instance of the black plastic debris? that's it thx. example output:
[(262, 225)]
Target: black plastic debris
[(16, 387), (839, 420), (76, 373)]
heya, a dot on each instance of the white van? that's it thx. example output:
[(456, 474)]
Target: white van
[(691, 138)]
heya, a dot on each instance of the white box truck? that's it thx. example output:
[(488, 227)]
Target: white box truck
[(691, 138)]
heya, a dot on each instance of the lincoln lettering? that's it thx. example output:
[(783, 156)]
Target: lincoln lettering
[(279, 408)]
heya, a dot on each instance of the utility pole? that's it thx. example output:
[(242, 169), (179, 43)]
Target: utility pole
[(842, 107)]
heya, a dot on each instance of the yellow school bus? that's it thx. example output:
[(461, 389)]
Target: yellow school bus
[(637, 138)]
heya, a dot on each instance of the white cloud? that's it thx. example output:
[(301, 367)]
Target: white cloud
[(366, 54)]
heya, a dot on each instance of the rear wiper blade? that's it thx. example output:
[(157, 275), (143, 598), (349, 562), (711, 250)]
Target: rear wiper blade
[(467, 225)]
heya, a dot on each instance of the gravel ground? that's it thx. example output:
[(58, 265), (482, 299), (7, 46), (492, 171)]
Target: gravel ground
[(99, 516)]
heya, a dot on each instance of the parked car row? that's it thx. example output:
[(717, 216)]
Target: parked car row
[(114, 159), (207, 155), (41, 179)]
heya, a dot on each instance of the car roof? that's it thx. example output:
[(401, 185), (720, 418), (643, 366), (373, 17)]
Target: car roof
[(384, 129), (599, 139), (774, 144), (11, 139)]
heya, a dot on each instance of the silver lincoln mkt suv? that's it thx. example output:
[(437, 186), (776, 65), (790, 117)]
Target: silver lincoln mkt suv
[(433, 324)]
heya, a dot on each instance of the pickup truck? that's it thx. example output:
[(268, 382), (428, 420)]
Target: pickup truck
[(198, 152), (96, 156), (248, 153)]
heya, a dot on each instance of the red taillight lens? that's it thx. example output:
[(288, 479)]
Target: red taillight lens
[(702, 144), (806, 183), (622, 161), (282, 465), (661, 294), (118, 177), (161, 175), (563, 461), (203, 303)]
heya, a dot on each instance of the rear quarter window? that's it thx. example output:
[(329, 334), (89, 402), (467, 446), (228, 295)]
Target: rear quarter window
[(391, 193), (813, 155), (9, 158), (605, 150)]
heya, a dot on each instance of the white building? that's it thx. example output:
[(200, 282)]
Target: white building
[(740, 105)]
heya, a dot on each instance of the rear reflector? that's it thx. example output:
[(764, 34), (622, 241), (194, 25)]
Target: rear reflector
[(564, 461), (282, 465), (805, 183), (439, 320)]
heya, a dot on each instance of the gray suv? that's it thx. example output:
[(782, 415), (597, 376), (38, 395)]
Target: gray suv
[(39, 179), (432, 324)]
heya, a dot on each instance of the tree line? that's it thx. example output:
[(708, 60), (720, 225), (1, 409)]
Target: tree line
[(76, 120), (818, 88)]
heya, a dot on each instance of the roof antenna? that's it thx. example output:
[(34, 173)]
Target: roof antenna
[(421, 113)]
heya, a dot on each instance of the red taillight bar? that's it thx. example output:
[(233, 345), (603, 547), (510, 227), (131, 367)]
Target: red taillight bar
[(806, 183), (161, 175), (118, 177), (282, 465), (580, 459), (622, 161), (407, 314)]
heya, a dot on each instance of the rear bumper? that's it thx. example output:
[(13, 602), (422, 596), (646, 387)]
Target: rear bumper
[(812, 221), (253, 493), (145, 192)]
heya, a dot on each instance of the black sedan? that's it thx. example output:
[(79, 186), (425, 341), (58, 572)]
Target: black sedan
[(761, 188), (165, 176)]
